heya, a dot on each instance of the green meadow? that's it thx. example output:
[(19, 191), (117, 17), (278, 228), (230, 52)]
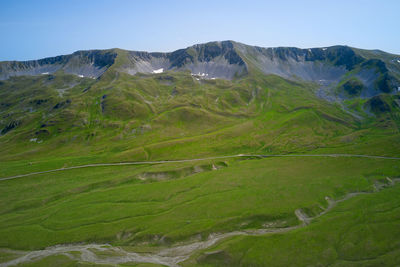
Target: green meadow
[(171, 116), (125, 206), (358, 232)]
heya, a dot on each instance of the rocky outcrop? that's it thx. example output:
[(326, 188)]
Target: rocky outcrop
[(83, 63), (211, 60), (329, 66)]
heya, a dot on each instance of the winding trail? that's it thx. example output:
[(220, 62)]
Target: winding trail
[(168, 256), (196, 159)]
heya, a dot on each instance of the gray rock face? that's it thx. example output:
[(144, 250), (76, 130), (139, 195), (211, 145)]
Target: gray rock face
[(144, 62), (212, 60), (300, 69), (326, 66), (378, 71), (322, 65), (216, 69), (368, 78), (84, 63)]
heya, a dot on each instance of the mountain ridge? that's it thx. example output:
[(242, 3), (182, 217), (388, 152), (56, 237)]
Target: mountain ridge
[(329, 66), (133, 97), (200, 44)]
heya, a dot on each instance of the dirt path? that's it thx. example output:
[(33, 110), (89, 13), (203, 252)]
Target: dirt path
[(168, 256), (197, 159)]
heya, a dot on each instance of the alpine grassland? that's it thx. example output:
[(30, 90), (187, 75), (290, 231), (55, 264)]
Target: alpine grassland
[(137, 165)]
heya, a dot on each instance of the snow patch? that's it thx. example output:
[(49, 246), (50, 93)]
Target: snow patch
[(324, 48), (35, 140), (45, 73), (80, 76), (158, 71), (398, 61)]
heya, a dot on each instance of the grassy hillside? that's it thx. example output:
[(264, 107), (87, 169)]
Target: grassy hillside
[(143, 114), (148, 208), (61, 120), (359, 232)]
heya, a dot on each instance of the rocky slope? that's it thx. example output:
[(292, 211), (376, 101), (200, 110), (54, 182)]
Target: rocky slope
[(331, 67), (135, 98), (82, 63)]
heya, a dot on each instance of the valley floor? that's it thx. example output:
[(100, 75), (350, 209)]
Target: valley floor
[(213, 211), (107, 254)]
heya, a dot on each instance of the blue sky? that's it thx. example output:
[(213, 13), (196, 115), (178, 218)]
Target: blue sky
[(40, 28)]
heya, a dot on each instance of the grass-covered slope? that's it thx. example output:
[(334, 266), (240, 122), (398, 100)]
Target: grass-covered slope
[(362, 231), (139, 205), (60, 119), (136, 117)]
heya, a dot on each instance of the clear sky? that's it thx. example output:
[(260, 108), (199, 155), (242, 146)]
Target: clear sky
[(42, 28)]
